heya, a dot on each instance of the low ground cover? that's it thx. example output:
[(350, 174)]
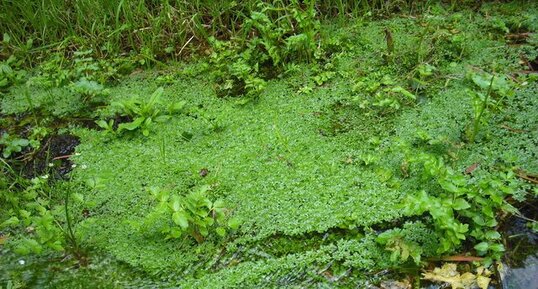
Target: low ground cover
[(410, 139)]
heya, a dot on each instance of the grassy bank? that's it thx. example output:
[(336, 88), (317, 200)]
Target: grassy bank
[(162, 29)]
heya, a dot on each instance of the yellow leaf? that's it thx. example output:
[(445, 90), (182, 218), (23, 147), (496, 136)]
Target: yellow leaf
[(483, 282)]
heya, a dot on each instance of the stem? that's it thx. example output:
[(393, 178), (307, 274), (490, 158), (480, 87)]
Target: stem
[(70, 235), (476, 124)]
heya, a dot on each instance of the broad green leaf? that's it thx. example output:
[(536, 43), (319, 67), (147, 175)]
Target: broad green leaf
[(449, 186), (218, 204), (181, 219), (156, 95), (221, 231), (102, 124), (131, 125), (77, 197), (176, 203), (176, 107), (162, 118), (56, 245), (497, 248), (10, 222), (482, 80), (492, 235), (488, 211), (209, 221), (203, 231), (482, 247), (234, 223), (175, 233), (460, 204), (404, 92)]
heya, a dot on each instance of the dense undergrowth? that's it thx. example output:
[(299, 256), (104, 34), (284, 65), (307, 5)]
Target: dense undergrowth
[(298, 152)]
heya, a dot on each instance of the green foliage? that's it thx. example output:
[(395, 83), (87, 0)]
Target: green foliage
[(492, 90), (293, 185), (10, 73), (382, 96), (193, 213), (462, 208), (235, 72), (41, 224), (92, 92), (143, 114), (423, 75), (86, 72), (12, 144), (272, 37), (394, 241)]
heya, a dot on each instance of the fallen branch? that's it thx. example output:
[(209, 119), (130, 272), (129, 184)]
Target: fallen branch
[(526, 176), (513, 129), (62, 157), (458, 258)]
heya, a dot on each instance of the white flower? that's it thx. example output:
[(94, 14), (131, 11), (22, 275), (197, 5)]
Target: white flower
[(74, 165), (22, 262)]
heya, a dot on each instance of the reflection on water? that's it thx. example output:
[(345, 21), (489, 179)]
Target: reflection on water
[(525, 276), (520, 265), (56, 271)]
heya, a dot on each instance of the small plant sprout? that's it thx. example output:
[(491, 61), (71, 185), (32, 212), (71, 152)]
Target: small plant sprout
[(143, 114), (193, 214), (12, 144)]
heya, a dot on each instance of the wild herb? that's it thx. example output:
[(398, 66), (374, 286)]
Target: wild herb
[(92, 92), (12, 144), (45, 226), (143, 114), (461, 208), (394, 241), (273, 36), (487, 98), (83, 72), (193, 214), (381, 96), (11, 73)]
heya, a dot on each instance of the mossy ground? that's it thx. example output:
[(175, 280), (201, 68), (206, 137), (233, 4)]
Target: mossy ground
[(289, 164)]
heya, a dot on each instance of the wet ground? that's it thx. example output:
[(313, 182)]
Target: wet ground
[(520, 265)]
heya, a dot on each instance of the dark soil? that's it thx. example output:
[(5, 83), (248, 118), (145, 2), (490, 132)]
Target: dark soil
[(56, 150)]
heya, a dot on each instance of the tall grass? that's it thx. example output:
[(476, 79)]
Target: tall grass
[(163, 28)]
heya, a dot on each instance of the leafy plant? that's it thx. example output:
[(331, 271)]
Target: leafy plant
[(41, 225), (83, 72), (91, 91), (382, 96), (234, 72), (272, 37), (423, 74), (490, 94), (142, 113), (462, 208), (10, 72), (12, 144), (193, 214), (394, 241), (107, 126)]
